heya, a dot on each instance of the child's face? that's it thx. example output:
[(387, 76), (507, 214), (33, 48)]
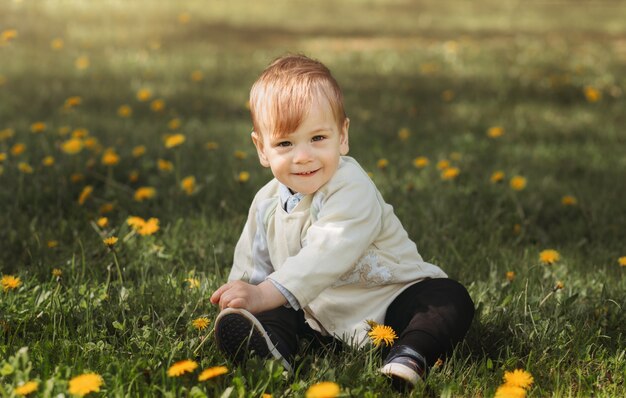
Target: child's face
[(307, 158)]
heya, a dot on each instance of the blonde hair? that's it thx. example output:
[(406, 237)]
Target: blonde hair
[(281, 97)]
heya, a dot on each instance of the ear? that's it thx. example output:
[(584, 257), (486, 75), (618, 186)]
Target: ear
[(343, 138), (258, 143)]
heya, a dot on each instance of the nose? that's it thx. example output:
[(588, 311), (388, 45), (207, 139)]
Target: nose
[(302, 154)]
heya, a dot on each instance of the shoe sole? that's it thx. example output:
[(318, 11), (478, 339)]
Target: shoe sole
[(402, 376), (238, 333)]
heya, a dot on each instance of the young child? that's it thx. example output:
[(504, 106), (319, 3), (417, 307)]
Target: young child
[(321, 252)]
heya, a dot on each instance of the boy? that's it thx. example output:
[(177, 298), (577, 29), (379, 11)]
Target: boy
[(321, 252)]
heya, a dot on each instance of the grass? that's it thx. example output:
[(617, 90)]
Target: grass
[(446, 71)]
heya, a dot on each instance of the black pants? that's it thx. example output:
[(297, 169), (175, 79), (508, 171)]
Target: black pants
[(431, 317)]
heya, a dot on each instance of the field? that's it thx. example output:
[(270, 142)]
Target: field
[(496, 129)]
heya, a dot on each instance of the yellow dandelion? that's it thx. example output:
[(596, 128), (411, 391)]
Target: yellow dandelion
[(174, 124), (72, 146), (57, 43), (138, 151), (243, 176), (124, 111), (84, 194), (450, 173), (102, 222), (559, 285), (404, 133), (193, 283), (10, 282), (7, 133), (266, 395), (622, 261), (144, 94), (73, 101), (197, 75), (212, 372), (135, 222), (211, 145), (110, 157), (48, 161), (518, 378), (240, 154), (8, 35), (165, 165), (382, 163), (549, 256), (592, 94), (18, 149), (133, 176), (382, 334), (324, 389), (443, 164), (25, 168), (420, 162), (38, 127), (3, 157), (143, 193), (174, 140), (77, 177), (56, 272), (517, 183), (200, 323), (497, 176), (447, 95), (84, 384), (82, 62), (157, 105), (506, 391), (52, 244), (80, 133), (495, 132), (510, 276), (27, 388), (188, 184), (183, 18), (110, 241), (569, 200), (182, 367), (106, 208), (149, 227)]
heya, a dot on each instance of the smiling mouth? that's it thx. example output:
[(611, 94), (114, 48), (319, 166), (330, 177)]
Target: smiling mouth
[(307, 173)]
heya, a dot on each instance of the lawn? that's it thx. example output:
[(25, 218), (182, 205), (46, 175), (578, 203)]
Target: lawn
[(496, 129)]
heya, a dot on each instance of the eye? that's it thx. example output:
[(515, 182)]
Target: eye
[(283, 144), (318, 138)]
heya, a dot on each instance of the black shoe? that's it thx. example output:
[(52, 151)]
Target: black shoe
[(239, 334), (405, 366)]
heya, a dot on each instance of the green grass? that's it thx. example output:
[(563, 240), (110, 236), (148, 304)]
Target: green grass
[(520, 65)]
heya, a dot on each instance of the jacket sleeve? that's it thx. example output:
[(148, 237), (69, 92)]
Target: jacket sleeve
[(348, 222), (242, 260)]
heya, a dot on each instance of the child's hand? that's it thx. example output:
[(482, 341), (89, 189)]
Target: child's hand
[(254, 298)]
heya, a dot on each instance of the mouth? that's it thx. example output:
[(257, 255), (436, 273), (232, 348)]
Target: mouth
[(306, 173)]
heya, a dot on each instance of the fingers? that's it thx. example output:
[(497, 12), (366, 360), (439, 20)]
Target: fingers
[(215, 297)]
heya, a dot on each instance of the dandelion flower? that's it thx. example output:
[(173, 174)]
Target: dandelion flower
[(324, 389), (124, 111), (497, 176), (138, 151), (135, 222), (82, 62), (518, 183), (157, 105), (110, 157), (200, 323), (18, 149), (240, 154), (569, 200), (57, 44), (8, 35), (495, 132), (382, 334), (404, 133), (243, 176), (25, 168), (211, 145), (549, 256), (443, 164), (106, 208), (193, 283), (450, 173), (144, 94), (27, 388), (102, 222), (3, 157), (592, 94), (518, 378), (622, 261), (77, 177), (80, 133), (506, 391), (10, 282), (212, 372), (143, 193), (52, 244), (382, 163), (48, 161), (38, 127), (188, 184), (174, 140), (420, 162), (72, 146), (133, 176), (174, 124), (73, 101), (6, 134), (197, 75), (85, 383), (57, 272), (149, 227), (559, 285), (182, 367), (110, 241), (84, 195), (165, 165), (510, 275)]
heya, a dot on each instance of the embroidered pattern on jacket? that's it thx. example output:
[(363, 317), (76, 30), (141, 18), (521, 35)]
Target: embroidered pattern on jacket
[(368, 271)]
